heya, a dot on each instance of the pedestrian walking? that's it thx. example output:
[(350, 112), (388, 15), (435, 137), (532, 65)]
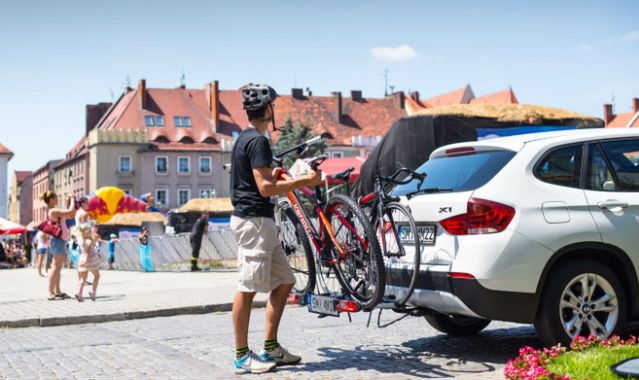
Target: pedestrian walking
[(41, 242), (56, 225), (88, 260), (262, 261), (200, 228), (111, 248)]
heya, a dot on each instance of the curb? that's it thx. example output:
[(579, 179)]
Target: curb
[(101, 318)]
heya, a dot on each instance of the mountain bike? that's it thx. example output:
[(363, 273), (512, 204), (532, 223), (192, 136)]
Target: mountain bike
[(399, 236), (339, 241)]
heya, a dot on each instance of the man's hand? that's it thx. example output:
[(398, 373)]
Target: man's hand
[(314, 178), (276, 173)]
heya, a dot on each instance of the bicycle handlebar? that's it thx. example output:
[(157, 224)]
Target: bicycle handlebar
[(413, 175), (300, 148)]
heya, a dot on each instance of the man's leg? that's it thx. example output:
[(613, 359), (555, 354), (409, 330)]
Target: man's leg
[(195, 253), (241, 316), (275, 309)]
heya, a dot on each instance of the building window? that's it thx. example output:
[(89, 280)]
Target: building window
[(161, 165), (125, 164), (159, 121), (337, 154), (205, 165), (184, 195), (127, 191), (208, 192), (149, 121), (162, 197), (184, 165), (182, 121)]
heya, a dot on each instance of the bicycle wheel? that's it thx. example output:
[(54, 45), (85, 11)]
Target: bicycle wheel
[(360, 271), (297, 247), (401, 251)]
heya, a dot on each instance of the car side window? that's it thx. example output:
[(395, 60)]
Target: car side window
[(599, 176), (624, 158), (561, 166)]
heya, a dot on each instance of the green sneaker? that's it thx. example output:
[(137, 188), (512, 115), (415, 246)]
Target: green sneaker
[(280, 356)]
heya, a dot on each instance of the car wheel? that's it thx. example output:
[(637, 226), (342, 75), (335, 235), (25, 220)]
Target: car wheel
[(456, 325), (581, 298)]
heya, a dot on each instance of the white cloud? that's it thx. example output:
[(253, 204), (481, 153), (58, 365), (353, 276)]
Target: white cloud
[(398, 53), (629, 37)]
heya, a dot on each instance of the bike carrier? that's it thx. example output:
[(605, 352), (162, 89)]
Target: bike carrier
[(333, 304)]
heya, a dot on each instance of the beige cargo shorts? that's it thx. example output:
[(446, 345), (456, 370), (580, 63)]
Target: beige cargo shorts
[(261, 260)]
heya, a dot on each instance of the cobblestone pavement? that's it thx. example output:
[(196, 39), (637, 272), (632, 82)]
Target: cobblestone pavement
[(201, 346), (121, 295)]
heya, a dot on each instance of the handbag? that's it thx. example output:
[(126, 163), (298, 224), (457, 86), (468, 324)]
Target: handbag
[(52, 228)]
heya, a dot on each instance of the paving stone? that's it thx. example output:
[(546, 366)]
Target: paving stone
[(201, 346)]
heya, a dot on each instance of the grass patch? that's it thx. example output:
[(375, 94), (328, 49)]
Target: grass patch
[(592, 363)]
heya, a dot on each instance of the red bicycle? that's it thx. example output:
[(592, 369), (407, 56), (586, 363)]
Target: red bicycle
[(337, 240)]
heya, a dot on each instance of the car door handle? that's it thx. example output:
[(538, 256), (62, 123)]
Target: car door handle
[(612, 203)]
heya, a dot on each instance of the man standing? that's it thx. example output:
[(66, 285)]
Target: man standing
[(262, 262), (199, 229)]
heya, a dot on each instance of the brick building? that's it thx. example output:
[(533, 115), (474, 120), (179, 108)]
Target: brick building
[(43, 180), (622, 120), (20, 198)]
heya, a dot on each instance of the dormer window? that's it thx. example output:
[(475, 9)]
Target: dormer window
[(154, 121), (182, 121)]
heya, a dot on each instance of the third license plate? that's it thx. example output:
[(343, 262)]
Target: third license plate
[(426, 233), (322, 305)]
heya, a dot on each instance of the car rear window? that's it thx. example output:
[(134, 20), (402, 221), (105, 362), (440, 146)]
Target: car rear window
[(459, 173)]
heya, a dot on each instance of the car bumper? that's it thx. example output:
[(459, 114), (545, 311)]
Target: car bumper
[(436, 290)]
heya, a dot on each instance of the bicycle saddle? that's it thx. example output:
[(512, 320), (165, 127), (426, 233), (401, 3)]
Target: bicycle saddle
[(343, 175)]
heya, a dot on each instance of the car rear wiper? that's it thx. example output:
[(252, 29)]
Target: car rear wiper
[(429, 190)]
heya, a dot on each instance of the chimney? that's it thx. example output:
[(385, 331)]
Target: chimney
[(214, 103), (297, 93), (635, 105), (415, 96), (338, 105), (94, 113), (356, 95), (399, 98), (142, 93), (608, 115)]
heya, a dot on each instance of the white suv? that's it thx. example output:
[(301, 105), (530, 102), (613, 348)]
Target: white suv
[(540, 228)]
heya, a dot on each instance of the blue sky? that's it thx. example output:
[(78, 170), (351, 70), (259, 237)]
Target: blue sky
[(57, 56)]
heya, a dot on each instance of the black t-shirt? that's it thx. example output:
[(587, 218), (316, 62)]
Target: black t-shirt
[(251, 151)]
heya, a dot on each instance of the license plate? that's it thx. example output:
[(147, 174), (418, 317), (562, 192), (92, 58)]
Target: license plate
[(322, 305), (426, 233)]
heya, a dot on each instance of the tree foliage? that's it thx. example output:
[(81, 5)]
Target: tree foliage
[(295, 134)]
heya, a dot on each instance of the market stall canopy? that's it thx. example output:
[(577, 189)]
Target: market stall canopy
[(214, 205), (335, 165), (9, 228), (412, 139), (135, 219)]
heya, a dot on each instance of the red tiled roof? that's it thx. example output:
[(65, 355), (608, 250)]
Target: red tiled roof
[(460, 96), (22, 175), (5, 150), (78, 150), (622, 120), (502, 97), (368, 117)]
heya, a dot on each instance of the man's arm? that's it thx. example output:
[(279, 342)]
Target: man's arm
[(270, 186)]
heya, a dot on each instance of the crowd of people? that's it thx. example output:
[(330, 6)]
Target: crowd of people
[(14, 254)]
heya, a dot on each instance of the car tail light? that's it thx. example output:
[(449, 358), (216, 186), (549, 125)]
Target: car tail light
[(466, 276), (482, 217), (458, 151), (347, 306)]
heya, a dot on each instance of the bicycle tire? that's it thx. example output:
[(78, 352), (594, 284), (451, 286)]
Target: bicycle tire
[(297, 247), (399, 253), (370, 260)]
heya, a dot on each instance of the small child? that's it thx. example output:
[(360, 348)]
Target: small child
[(88, 260)]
